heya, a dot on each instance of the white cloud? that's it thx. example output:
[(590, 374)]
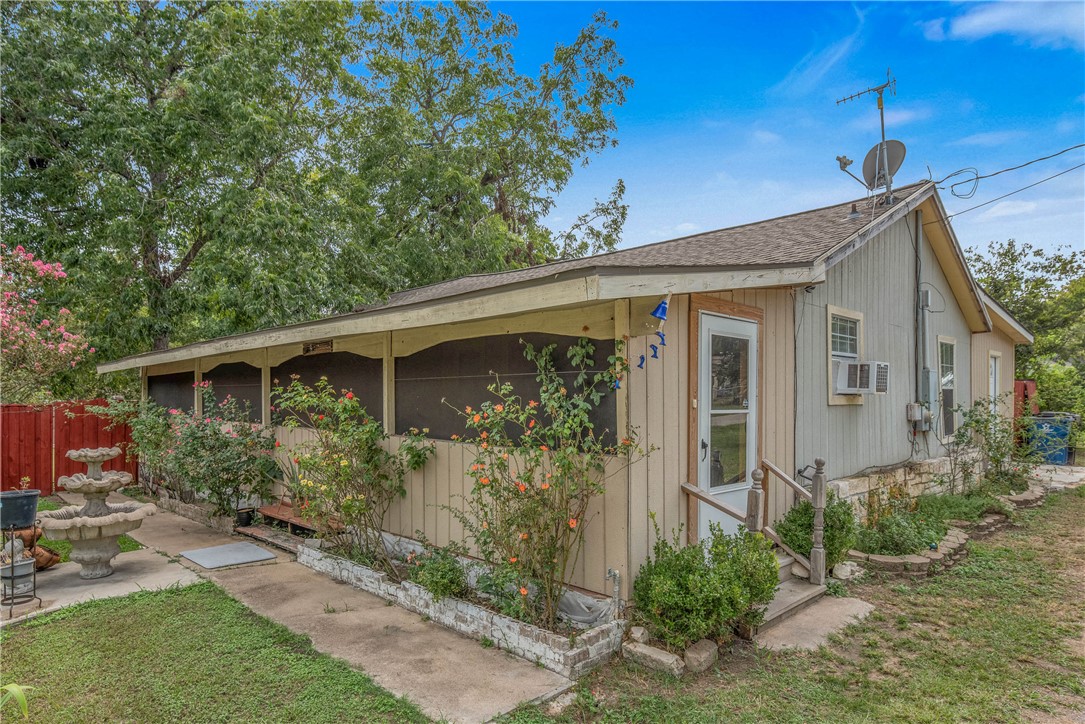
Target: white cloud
[(1007, 208), (1047, 24), (989, 138), (806, 76), (686, 228), (934, 29), (761, 136)]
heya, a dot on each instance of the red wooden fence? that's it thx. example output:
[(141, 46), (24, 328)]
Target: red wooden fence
[(33, 441)]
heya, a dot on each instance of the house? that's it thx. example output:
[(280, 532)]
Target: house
[(847, 333)]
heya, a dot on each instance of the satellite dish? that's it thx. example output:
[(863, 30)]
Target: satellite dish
[(876, 177)]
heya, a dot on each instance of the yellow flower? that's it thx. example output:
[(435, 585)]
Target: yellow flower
[(323, 487), (344, 463)]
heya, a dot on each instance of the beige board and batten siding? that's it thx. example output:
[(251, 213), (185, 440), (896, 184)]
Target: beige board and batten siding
[(985, 344), (659, 406), (878, 282)]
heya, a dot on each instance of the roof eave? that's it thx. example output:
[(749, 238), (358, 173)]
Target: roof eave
[(564, 289)]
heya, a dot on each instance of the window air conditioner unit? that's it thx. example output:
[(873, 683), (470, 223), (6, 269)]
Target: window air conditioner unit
[(857, 378)]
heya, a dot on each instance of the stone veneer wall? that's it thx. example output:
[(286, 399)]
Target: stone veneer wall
[(919, 476)]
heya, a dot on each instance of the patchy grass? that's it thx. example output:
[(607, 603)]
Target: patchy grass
[(64, 547), (997, 638), (191, 654)]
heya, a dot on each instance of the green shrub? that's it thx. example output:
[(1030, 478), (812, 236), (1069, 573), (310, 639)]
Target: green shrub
[(683, 594), (747, 560), (957, 507), (901, 534), (797, 529), (439, 571)]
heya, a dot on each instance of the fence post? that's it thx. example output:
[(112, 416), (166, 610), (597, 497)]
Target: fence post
[(753, 502), (817, 553)]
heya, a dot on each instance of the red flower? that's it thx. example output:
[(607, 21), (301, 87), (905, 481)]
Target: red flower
[(521, 487), (350, 395), (532, 403), (523, 591), (278, 444), (544, 448), (513, 559)]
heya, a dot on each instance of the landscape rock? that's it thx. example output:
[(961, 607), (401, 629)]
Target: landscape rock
[(887, 563), (653, 658), (847, 570), (701, 655), (639, 634)]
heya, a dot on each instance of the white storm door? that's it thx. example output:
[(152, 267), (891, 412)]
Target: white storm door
[(992, 380), (727, 416)]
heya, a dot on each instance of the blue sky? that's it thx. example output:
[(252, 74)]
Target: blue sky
[(733, 118)]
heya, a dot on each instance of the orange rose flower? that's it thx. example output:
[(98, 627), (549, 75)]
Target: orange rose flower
[(467, 409), (513, 559), (523, 591), (484, 481), (476, 418), (484, 435), (532, 403), (499, 408), (545, 486), (544, 448), (521, 486), (523, 536), (572, 522), (484, 445)]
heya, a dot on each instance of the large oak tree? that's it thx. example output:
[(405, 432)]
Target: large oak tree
[(208, 168)]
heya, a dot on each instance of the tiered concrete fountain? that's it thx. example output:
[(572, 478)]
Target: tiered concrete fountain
[(94, 529)]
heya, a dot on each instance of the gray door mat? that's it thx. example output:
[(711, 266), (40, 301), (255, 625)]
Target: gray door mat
[(231, 554)]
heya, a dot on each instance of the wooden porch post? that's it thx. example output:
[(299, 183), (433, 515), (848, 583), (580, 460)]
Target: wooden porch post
[(817, 553), (753, 502)]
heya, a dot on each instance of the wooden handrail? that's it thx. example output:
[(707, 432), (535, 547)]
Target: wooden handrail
[(709, 500), (799, 490)]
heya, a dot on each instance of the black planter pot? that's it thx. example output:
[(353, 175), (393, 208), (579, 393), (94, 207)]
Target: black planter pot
[(243, 517), (18, 508)]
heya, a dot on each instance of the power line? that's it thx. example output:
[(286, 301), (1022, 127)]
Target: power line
[(999, 198), (976, 178)]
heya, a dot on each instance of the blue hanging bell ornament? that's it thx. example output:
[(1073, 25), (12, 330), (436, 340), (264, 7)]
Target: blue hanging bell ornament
[(617, 383), (660, 312), (662, 339), (655, 351), (640, 365)]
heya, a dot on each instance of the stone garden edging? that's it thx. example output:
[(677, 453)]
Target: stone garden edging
[(570, 656), (196, 513), (950, 551)]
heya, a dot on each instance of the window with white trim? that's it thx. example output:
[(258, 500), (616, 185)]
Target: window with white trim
[(845, 337), (947, 383)]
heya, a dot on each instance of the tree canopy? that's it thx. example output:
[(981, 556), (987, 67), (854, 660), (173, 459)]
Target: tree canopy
[(205, 168)]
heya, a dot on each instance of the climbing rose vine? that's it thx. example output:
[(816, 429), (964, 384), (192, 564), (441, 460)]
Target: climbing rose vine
[(36, 345)]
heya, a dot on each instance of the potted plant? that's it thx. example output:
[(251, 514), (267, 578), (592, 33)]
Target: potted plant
[(19, 508)]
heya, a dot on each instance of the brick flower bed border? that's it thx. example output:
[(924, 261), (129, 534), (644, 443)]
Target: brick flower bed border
[(951, 550), (570, 656)]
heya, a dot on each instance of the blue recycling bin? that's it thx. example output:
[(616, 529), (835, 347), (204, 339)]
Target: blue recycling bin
[(1050, 437)]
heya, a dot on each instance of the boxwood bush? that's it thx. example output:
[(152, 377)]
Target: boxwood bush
[(796, 529), (683, 594)]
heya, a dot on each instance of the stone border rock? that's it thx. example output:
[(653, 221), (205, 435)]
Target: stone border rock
[(570, 656), (196, 513), (950, 551), (697, 658)]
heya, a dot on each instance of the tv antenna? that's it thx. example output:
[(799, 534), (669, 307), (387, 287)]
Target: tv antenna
[(884, 159)]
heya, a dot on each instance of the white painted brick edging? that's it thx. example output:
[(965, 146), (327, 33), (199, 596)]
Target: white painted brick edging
[(569, 656)]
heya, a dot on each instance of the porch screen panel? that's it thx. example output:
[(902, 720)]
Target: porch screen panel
[(172, 391), (241, 381), (460, 372), (362, 376)]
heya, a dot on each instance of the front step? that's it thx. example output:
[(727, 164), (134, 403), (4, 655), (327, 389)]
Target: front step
[(789, 567), (272, 536), (792, 596)]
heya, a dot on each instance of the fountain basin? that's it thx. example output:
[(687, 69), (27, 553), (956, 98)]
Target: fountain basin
[(94, 538)]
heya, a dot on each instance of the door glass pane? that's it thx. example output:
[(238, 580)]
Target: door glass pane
[(727, 451), (730, 373)]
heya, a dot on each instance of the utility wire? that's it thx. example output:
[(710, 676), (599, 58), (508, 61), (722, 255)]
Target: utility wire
[(976, 178), (999, 198)]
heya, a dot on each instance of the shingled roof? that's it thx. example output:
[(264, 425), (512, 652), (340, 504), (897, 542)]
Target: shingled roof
[(797, 239)]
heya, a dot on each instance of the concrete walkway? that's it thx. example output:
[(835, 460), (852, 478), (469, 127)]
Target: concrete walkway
[(449, 676)]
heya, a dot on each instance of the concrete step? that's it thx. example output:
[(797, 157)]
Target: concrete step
[(785, 563), (792, 596), (272, 536)]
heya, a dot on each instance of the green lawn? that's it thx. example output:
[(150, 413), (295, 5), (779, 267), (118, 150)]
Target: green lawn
[(998, 638), (183, 655), (63, 547)]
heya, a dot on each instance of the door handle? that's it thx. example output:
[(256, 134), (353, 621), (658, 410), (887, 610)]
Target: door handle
[(704, 450)]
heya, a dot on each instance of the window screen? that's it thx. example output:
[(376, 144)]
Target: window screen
[(172, 391), (242, 382), (363, 376), (845, 336), (460, 372), (948, 383)]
